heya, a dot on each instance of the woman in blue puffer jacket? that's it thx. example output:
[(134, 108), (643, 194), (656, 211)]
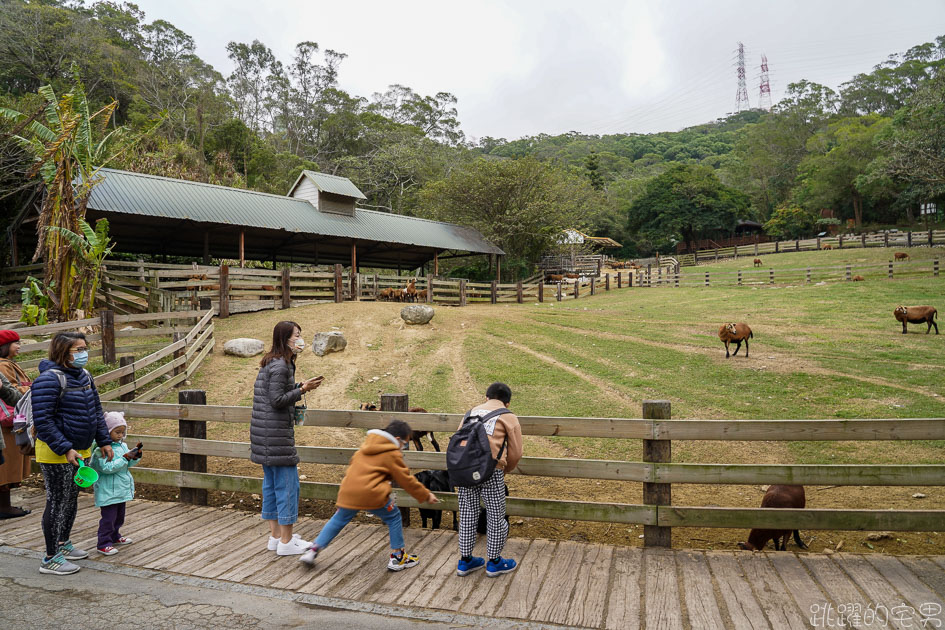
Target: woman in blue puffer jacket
[(67, 420)]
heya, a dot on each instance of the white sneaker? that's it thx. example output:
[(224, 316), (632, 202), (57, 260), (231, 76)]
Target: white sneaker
[(274, 542), (294, 547)]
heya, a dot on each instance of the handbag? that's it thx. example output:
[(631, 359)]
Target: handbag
[(6, 415)]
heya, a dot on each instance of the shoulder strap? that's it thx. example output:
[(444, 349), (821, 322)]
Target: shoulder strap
[(62, 381)]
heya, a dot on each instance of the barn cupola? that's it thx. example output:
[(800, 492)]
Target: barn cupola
[(328, 193)]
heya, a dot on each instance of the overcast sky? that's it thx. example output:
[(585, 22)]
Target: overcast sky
[(522, 67)]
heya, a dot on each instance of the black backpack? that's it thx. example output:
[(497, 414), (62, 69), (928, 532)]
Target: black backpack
[(469, 458)]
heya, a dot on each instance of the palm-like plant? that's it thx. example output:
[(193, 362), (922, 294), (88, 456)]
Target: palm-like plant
[(68, 159), (90, 248)]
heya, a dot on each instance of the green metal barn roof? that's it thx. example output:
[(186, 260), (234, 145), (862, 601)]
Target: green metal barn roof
[(124, 192), (330, 184)]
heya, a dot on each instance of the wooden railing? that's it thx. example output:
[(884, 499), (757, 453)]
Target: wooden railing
[(175, 362), (657, 472), (926, 238)]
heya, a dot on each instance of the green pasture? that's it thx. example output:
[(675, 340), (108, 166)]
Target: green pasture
[(792, 260)]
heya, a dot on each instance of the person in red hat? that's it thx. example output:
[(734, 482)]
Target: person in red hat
[(15, 466)]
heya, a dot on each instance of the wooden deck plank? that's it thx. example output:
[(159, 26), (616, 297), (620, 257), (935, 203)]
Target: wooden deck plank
[(252, 564), (157, 535), (212, 521), (805, 590), (623, 602), (347, 543), (250, 538), (527, 580), (358, 560), (832, 579), (87, 519), (911, 587), (770, 591), (233, 524), (438, 551), (554, 596), (25, 527), (662, 609), (418, 541), (486, 594), (590, 594), (452, 589), (929, 572), (701, 605), (743, 610), (137, 522), (879, 592), (278, 570)]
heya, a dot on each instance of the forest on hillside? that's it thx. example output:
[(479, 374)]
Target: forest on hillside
[(872, 152)]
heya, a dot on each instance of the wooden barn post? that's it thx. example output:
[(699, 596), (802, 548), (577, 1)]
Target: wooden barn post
[(286, 288), (192, 429), (354, 272), (657, 494), (242, 248), (224, 292)]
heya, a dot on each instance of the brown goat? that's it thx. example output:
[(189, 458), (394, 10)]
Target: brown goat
[(555, 277), (757, 262), (571, 275), (826, 246), (410, 293), (777, 496), (858, 278), (414, 435), (901, 256), (735, 333), (422, 295), (916, 315)]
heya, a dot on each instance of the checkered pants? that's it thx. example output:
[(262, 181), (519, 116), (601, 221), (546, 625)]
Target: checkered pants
[(492, 495)]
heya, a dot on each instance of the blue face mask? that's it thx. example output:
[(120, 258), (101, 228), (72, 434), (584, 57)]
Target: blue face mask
[(79, 359)]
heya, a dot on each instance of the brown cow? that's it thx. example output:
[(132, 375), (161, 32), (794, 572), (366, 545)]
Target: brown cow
[(757, 262), (901, 256), (777, 496), (858, 278), (556, 277), (735, 333), (916, 315), (826, 246)]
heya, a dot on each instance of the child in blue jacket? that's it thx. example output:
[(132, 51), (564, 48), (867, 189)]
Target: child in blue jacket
[(115, 486)]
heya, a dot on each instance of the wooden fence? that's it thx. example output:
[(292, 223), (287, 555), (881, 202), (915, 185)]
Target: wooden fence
[(173, 362), (927, 238), (657, 472)]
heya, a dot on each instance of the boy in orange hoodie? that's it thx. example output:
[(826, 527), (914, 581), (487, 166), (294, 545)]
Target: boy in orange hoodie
[(367, 486)]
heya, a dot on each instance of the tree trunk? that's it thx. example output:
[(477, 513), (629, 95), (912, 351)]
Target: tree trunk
[(857, 210)]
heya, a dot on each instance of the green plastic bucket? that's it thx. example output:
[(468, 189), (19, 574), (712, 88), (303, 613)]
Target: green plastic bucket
[(85, 476)]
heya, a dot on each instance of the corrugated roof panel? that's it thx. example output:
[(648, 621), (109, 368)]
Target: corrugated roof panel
[(334, 184), (150, 195)]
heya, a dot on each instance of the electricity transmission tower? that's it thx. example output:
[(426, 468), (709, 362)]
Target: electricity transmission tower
[(764, 90), (741, 97)]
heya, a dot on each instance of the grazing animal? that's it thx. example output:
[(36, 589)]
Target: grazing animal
[(397, 295), (901, 256), (777, 496), (410, 293), (735, 333), (572, 276), (435, 481), (757, 262), (414, 435), (917, 315), (384, 294), (858, 278), (556, 277), (422, 295), (826, 246)]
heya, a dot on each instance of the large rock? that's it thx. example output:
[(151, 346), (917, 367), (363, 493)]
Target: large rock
[(417, 314), (243, 347), (325, 342)]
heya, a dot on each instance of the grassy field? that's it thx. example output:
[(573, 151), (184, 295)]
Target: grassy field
[(819, 351)]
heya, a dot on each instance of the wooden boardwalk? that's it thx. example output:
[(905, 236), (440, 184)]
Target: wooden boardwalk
[(562, 583)]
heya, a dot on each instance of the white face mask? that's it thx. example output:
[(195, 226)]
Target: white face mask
[(299, 346)]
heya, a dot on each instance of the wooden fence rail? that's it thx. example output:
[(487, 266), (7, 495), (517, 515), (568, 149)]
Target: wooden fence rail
[(657, 472)]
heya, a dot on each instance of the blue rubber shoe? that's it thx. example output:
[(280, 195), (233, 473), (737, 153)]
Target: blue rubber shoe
[(500, 566), (465, 568)]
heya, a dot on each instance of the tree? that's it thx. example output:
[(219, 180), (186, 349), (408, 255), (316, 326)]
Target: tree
[(686, 202), (592, 169), (790, 222), (521, 206)]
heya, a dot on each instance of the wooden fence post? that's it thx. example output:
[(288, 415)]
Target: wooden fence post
[(777, 247), (559, 291), (676, 276), (224, 292), (736, 252), (935, 267), (716, 254), (127, 378), (659, 276), (607, 282), (890, 269), (808, 275), (339, 286), (618, 280), (107, 318), (541, 288), (706, 278), (657, 494), (840, 241), (178, 354), (429, 289), (739, 277), (494, 292), (630, 278), (818, 243), (863, 239), (593, 287), (397, 403), (849, 274), (771, 275), (194, 429), (909, 238), (286, 288), (462, 292), (577, 288), (354, 285), (154, 300), (885, 238), (519, 297), (756, 246), (649, 269), (931, 240)]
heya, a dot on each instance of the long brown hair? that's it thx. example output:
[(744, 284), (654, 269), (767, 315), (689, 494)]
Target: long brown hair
[(280, 343)]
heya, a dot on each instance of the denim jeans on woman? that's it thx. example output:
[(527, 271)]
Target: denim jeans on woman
[(280, 494), (389, 514)]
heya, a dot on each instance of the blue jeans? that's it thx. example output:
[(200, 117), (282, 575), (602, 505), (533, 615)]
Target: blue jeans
[(280, 494), (389, 514)]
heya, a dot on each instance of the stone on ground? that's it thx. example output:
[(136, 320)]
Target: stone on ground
[(417, 314), (243, 347), (325, 342)]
